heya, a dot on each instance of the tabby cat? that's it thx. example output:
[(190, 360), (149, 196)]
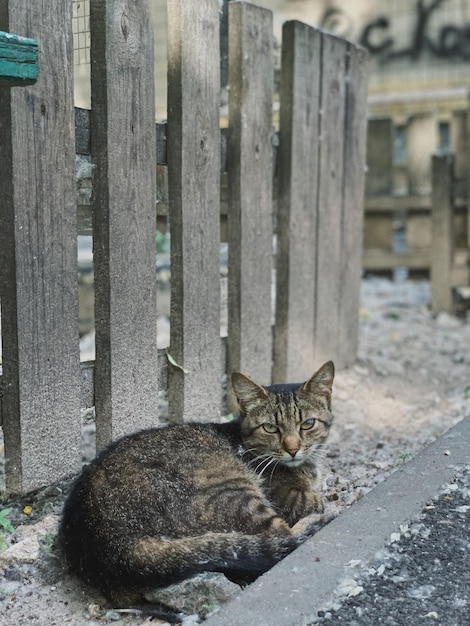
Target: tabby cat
[(166, 503)]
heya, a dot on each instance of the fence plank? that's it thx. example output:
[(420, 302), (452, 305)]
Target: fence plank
[(249, 166), (330, 199), (38, 258), (297, 209), (355, 133), (123, 149), (442, 234), (194, 180)]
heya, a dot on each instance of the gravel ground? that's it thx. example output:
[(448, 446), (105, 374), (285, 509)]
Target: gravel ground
[(423, 577), (408, 386)]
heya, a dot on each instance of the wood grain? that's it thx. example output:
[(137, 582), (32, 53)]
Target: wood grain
[(123, 204), (330, 199), (355, 133), (193, 188), (38, 257), (249, 166), (297, 204)]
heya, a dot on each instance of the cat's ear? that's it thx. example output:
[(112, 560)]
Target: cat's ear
[(247, 391), (321, 381)]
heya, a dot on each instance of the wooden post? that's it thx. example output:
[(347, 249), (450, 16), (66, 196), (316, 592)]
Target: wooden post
[(330, 200), (193, 186), (297, 221), (38, 256), (321, 201), (249, 166), (355, 131), (442, 234), (123, 151)]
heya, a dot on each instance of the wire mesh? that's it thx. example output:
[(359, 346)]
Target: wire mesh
[(81, 31)]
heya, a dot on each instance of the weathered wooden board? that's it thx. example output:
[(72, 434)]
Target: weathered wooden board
[(330, 199), (19, 63), (193, 185), (123, 203), (442, 236), (355, 133), (379, 179), (38, 257), (249, 166), (296, 274)]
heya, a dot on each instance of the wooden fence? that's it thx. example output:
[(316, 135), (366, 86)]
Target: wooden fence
[(428, 196), (321, 160)]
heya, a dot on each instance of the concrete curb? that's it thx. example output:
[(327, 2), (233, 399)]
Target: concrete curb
[(292, 592)]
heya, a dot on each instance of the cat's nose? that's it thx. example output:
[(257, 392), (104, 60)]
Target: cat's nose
[(292, 451), (291, 445)]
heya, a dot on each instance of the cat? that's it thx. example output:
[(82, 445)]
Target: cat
[(163, 504)]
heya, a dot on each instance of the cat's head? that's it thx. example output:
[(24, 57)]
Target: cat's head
[(285, 423)]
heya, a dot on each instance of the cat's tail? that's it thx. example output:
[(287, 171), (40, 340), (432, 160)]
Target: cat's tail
[(240, 557), (151, 562)]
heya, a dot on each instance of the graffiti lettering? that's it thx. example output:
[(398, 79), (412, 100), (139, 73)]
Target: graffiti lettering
[(453, 42), (449, 42)]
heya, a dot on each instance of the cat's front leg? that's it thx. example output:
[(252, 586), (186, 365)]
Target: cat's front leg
[(298, 503), (294, 496)]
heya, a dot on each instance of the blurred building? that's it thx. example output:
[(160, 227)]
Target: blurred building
[(419, 51)]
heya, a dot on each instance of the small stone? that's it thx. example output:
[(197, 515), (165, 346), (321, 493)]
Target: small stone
[(25, 551), (12, 574), (113, 616), (444, 320), (52, 492)]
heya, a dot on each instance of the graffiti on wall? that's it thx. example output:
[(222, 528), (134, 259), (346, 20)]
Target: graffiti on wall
[(450, 41)]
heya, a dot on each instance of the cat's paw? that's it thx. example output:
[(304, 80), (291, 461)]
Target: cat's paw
[(311, 524)]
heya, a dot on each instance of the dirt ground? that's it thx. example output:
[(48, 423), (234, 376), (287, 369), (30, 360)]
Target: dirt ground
[(411, 382)]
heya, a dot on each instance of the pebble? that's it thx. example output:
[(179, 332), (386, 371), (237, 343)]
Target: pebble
[(444, 320)]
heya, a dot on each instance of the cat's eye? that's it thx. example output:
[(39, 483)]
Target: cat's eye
[(308, 424), (270, 428)]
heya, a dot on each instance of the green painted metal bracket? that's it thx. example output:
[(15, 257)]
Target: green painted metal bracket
[(19, 64)]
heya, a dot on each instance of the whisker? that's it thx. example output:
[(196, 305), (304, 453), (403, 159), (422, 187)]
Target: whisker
[(264, 461), (316, 457), (247, 451), (260, 458), (271, 460), (273, 469)]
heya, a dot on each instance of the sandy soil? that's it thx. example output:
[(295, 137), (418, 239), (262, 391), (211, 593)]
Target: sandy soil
[(410, 383)]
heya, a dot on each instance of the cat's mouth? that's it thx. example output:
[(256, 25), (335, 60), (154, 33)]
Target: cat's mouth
[(293, 461)]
